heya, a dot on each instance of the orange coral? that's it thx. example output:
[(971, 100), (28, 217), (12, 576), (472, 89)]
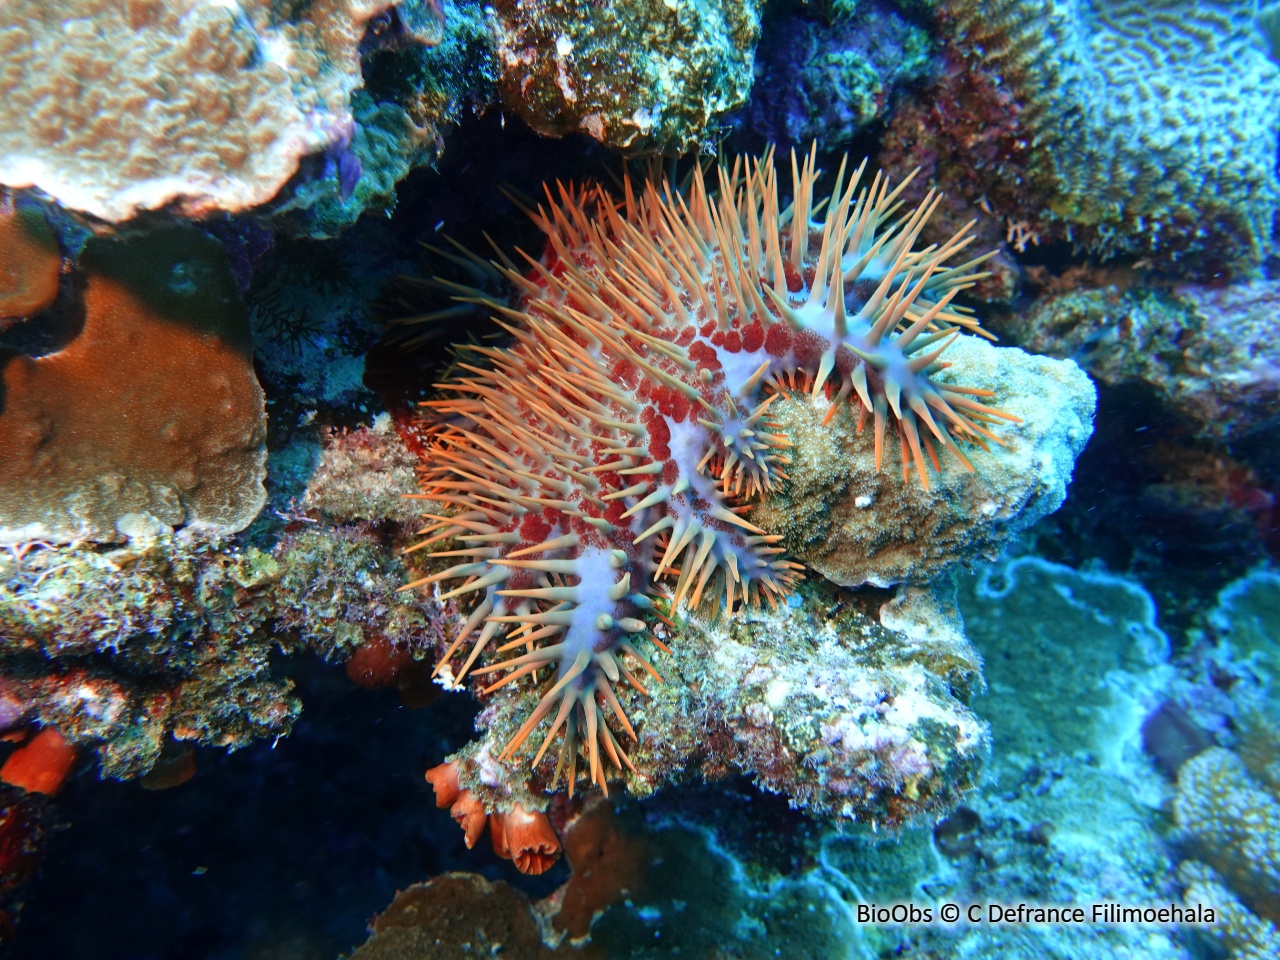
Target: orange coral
[(524, 837), (378, 663), (151, 417), (608, 865), (463, 805), (42, 765)]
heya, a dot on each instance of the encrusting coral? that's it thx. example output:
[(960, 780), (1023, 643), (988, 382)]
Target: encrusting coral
[(150, 417), (616, 448), (643, 75), (30, 262), (114, 108), (1231, 825)]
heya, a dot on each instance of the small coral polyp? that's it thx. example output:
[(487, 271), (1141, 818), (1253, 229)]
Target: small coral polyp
[(614, 448)]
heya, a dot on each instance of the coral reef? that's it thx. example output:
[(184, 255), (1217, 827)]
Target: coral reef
[(418, 84), (816, 701), (197, 106), (580, 473), (518, 835), (270, 103), (124, 649), (1210, 353), (1226, 808), (962, 133), (640, 889), (128, 649), (1069, 812), (456, 914), (150, 416), (1239, 932), (1247, 622), (1231, 826), (1149, 129), (610, 865), (642, 76), (829, 77)]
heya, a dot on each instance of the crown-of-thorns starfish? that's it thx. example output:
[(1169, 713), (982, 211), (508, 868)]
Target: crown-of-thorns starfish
[(619, 439)]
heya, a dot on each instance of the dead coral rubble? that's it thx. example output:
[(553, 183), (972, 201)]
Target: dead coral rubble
[(855, 524), (816, 700)]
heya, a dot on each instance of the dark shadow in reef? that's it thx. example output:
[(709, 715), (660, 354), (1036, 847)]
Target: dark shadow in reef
[(1134, 504), (280, 849)]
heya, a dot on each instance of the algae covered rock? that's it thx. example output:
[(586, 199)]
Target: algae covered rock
[(819, 700), (126, 649), (644, 75), (364, 474), (1210, 353), (417, 86), (855, 524), (829, 78)]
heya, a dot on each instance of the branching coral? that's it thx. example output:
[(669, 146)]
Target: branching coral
[(620, 441)]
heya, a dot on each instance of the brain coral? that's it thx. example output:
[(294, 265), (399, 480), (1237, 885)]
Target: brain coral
[(1150, 127), (113, 108), (617, 448)]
